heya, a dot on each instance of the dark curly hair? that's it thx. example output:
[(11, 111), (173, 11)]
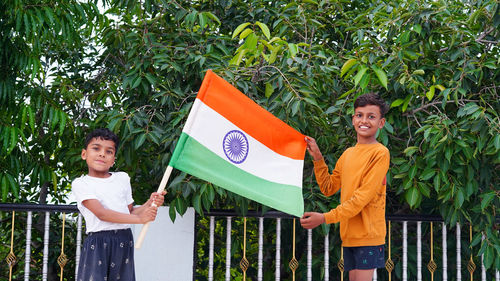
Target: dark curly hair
[(102, 133), (372, 99)]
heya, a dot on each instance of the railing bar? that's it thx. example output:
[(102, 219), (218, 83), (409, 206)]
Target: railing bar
[(46, 247), (38, 207), (214, 212), (228, 249), (405, 251), (445, 253), (309, 254), (497, 275), (483, 268), (211, 250), (278, 249), (327, 253), (78, 244), (27, 254), (459, 259), (261, 249), (419, 251)]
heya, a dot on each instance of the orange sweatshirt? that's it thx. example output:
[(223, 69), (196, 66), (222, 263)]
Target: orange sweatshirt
[(361, 173)]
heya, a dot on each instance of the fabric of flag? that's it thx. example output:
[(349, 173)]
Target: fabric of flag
[(232, 142)]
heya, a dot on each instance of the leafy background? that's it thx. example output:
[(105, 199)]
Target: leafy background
[(69, 66)]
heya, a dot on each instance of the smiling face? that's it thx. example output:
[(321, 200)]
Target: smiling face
[(366, 121), (100, 156)]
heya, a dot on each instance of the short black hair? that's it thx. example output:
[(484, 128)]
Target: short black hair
[(372, 99), (102, 133)]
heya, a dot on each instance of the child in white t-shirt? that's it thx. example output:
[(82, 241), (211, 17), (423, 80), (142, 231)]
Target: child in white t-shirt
[(104, 199)]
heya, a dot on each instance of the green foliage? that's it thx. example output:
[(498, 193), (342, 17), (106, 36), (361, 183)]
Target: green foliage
[(67, 68)]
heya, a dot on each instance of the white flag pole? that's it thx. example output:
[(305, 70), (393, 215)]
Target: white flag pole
[(145, 227)]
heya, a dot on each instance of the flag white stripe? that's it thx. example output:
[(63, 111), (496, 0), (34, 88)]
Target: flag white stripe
[(210, 128)]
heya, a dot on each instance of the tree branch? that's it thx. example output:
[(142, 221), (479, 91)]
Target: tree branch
[(433, 104)]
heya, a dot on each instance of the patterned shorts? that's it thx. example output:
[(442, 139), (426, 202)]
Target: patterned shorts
[(366, 257), (107, 256)]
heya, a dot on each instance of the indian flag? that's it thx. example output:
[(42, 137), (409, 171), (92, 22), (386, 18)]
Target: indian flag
[(234, 143)]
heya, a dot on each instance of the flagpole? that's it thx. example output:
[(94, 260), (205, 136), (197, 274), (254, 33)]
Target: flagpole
[(145, 227)]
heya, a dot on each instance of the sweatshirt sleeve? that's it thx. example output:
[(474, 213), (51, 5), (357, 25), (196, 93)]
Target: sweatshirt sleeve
[(328, 184), (373, 176)]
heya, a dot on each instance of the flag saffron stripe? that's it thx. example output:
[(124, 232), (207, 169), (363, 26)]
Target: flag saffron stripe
[(210, 128), (193, 158), (229, 102)]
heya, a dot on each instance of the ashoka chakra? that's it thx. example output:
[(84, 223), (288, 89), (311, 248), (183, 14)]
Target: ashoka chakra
[(235, 145)]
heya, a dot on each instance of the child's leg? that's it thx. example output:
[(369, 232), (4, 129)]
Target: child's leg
[(361, 275)]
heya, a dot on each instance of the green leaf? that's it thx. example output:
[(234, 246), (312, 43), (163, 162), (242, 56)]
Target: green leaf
[(239, 29), (427, 174), (62, 122), (177, 180), (5, 187), (31, 116), (197, 203), (459, 199), (413, 197), (251, 42), (410, 150), (486, 199), (212, 17), (180, 205), (382, 77), (361, 72), (13, 140), (397, 103), (140, 140), (295, 107), (264, 29), (430, 93), (13, 185), (245, 33), (412, 171), (419, 72), (269, 89), (171, 211), (440, 87), (293, 49), (347, 65), (236, 60)]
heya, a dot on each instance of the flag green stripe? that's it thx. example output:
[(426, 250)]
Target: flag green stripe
[(195, 159)]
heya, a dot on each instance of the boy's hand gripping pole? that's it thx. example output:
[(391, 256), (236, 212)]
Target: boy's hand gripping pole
[(145, 227)]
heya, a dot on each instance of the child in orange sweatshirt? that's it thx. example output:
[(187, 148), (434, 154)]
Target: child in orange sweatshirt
[(360, 173)]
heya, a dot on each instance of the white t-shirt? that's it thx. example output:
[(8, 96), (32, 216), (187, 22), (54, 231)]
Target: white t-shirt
[(114, 193)]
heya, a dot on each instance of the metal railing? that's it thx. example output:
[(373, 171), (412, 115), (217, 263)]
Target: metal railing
[(218, 219)]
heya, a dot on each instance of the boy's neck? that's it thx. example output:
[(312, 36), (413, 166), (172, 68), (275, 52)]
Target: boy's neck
[(103, 175), (371, 140)]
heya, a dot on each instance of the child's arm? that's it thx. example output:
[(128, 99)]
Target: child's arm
[(156, 198), (148, 214), (328, 183), (312, 219)]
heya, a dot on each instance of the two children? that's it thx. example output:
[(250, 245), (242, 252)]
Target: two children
[(360, 173), (104, 199)]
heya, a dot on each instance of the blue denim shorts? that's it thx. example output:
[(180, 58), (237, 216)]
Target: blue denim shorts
[(366, 257)]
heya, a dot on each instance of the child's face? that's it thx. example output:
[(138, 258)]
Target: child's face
[(366, 121), (100, 156)]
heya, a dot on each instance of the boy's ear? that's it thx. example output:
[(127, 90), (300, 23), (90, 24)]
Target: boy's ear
[(84, 154), (382, 123)]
